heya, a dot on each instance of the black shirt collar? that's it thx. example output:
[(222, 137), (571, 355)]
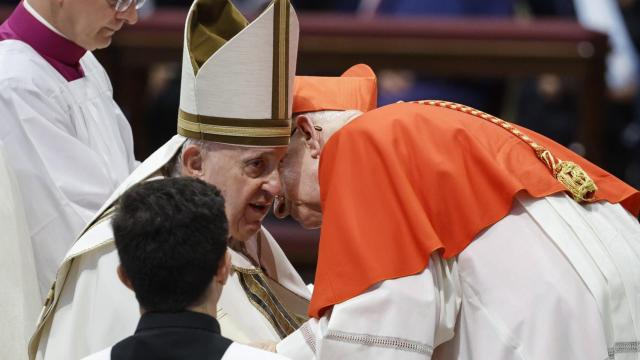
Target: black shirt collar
[(183, 319)]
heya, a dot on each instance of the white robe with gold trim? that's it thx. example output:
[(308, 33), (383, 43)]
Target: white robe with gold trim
[(90, 309)]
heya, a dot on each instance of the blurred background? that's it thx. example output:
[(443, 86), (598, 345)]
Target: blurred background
[(568, 69)]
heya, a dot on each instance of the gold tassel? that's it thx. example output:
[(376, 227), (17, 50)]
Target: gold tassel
[(576, 180)]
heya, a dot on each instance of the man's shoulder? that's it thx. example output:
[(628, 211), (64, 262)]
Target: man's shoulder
[(23, 67), (382, 120), (96, 235), (422, 122)]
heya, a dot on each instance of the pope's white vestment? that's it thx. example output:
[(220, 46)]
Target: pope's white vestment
[(90, 309), (553, 280), (68, 144)]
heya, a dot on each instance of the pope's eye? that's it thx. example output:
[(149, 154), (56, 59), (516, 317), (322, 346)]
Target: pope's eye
[(254, 167)]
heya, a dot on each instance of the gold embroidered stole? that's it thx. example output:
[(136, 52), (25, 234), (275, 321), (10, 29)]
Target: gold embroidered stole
[(285, 310)]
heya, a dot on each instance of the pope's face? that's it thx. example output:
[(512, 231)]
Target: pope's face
[(92, 23), (300, 185), (249, 179)]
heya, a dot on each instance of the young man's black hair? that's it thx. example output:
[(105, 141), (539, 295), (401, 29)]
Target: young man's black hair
[(171, 239)]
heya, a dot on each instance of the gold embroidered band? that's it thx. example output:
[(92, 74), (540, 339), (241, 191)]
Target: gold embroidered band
[(257, 132), (257, 289), (280, 83)]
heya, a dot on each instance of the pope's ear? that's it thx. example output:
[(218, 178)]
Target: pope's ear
[(192, 163), (310, 134)]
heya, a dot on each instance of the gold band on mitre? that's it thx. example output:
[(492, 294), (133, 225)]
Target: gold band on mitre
[(248, 132), (280, 72)]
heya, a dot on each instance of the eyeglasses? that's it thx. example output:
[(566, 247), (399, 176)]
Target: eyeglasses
[(124, 5)]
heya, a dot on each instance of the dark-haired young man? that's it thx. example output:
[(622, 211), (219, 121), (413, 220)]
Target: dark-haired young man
[(171, 236)]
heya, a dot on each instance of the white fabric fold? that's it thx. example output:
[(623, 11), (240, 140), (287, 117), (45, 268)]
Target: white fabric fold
[(18, 281)]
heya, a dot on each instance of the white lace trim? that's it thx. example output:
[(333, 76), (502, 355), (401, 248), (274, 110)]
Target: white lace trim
[(624, 348), (381, 341), (308, 336)]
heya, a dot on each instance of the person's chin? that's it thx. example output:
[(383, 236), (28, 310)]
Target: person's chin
[(252, 229), (247, 231), (103, 39), (104, 43), (100, 43)]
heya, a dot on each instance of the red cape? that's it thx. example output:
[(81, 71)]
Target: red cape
[(405, 180)]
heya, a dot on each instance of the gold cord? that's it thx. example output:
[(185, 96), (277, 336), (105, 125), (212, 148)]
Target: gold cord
[(577, 182)]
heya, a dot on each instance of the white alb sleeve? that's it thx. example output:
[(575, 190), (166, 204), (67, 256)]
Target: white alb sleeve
[(404, 318)]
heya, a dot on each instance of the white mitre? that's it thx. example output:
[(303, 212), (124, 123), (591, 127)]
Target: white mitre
[(237, 79)]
